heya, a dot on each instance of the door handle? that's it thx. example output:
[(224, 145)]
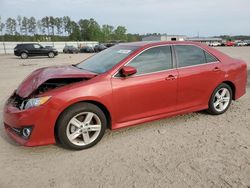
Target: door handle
[(216, 69), (171, 77)]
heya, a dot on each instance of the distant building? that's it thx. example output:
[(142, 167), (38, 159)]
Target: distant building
[(165, 38), (207, 40)]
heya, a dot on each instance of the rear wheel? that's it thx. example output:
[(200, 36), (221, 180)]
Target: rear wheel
[(220, 100), (24, 55), (81, 126), (51, 54)]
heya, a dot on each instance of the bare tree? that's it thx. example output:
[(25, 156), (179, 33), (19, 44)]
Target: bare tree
[(11, 26), (67, 24), (25, 25), (40, 28), (19, 24), (32, 25), (59, 25), (52, 24), (45, 23), (2, 25)]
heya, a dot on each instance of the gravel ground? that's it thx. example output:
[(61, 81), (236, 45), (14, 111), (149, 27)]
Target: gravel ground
[(193, 150)]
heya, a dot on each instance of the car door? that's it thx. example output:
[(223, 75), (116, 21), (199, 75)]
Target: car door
[(151, 91), (199, 74), (39, 50), (35, 49)]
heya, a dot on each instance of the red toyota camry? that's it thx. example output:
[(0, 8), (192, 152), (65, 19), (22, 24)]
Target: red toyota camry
[(127, 84)]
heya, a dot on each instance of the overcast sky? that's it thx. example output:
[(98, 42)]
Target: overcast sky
[(187, 17)]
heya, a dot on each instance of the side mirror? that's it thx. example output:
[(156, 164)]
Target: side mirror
[(128, 71)]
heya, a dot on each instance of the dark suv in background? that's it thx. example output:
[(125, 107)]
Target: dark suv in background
[(34, 49), (70, 49)]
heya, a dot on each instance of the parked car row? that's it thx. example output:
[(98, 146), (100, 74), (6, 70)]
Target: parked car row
[(34, 49), (85, 49), (99, 47), (231, 43)]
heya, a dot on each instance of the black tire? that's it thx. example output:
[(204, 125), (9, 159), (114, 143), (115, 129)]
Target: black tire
[(24, 55), (51, 54), (213, 99), (64, 119)]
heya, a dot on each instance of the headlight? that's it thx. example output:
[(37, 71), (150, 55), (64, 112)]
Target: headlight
[(34, 102)]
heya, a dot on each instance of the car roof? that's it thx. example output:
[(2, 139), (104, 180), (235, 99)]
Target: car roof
[(27, 43), (155, 43), (147, 44)]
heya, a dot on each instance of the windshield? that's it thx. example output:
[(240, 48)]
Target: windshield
[(107, 59)]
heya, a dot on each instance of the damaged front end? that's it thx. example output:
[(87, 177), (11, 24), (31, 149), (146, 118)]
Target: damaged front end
[(30, 107), (43, 80), (55, 83), (31, 101)]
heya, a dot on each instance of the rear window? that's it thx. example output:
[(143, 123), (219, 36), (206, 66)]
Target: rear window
[(24, 46), (18, 46)]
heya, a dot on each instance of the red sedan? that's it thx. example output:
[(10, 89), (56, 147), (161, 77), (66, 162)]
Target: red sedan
[(230, 43), (127, 84)]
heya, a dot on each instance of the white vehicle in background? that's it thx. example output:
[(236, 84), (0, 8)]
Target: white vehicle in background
[(248, 42), (241, 43), (215, 44)]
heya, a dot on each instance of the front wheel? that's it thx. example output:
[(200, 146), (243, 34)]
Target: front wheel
[(220, 100), (81, 126), (51, 54)]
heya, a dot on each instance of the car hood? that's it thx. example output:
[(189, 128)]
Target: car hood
[(39, 76)]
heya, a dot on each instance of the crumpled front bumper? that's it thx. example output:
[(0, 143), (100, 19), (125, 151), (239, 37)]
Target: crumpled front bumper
[(42, 120)]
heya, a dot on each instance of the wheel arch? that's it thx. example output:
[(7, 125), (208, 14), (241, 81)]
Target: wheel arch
[(51, 51), (24, 51), (98, 104), (104, 109), (231, 84)]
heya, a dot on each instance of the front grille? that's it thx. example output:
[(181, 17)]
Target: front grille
[(18, 131)]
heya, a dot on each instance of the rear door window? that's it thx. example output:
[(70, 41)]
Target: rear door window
[(36, 46), (210, 58), (28, 46), (189, 55)]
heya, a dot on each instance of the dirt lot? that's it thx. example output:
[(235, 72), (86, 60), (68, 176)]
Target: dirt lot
[(193, 150)]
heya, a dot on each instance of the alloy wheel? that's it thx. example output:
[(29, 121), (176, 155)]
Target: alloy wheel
[(83, 128), (221, 99)]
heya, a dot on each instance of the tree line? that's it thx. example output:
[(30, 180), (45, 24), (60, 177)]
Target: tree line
[(61, 29), (51, 28)]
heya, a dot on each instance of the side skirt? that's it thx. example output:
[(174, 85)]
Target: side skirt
[(157, 117)]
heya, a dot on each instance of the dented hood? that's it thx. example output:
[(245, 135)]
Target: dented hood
[(39, 76)]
